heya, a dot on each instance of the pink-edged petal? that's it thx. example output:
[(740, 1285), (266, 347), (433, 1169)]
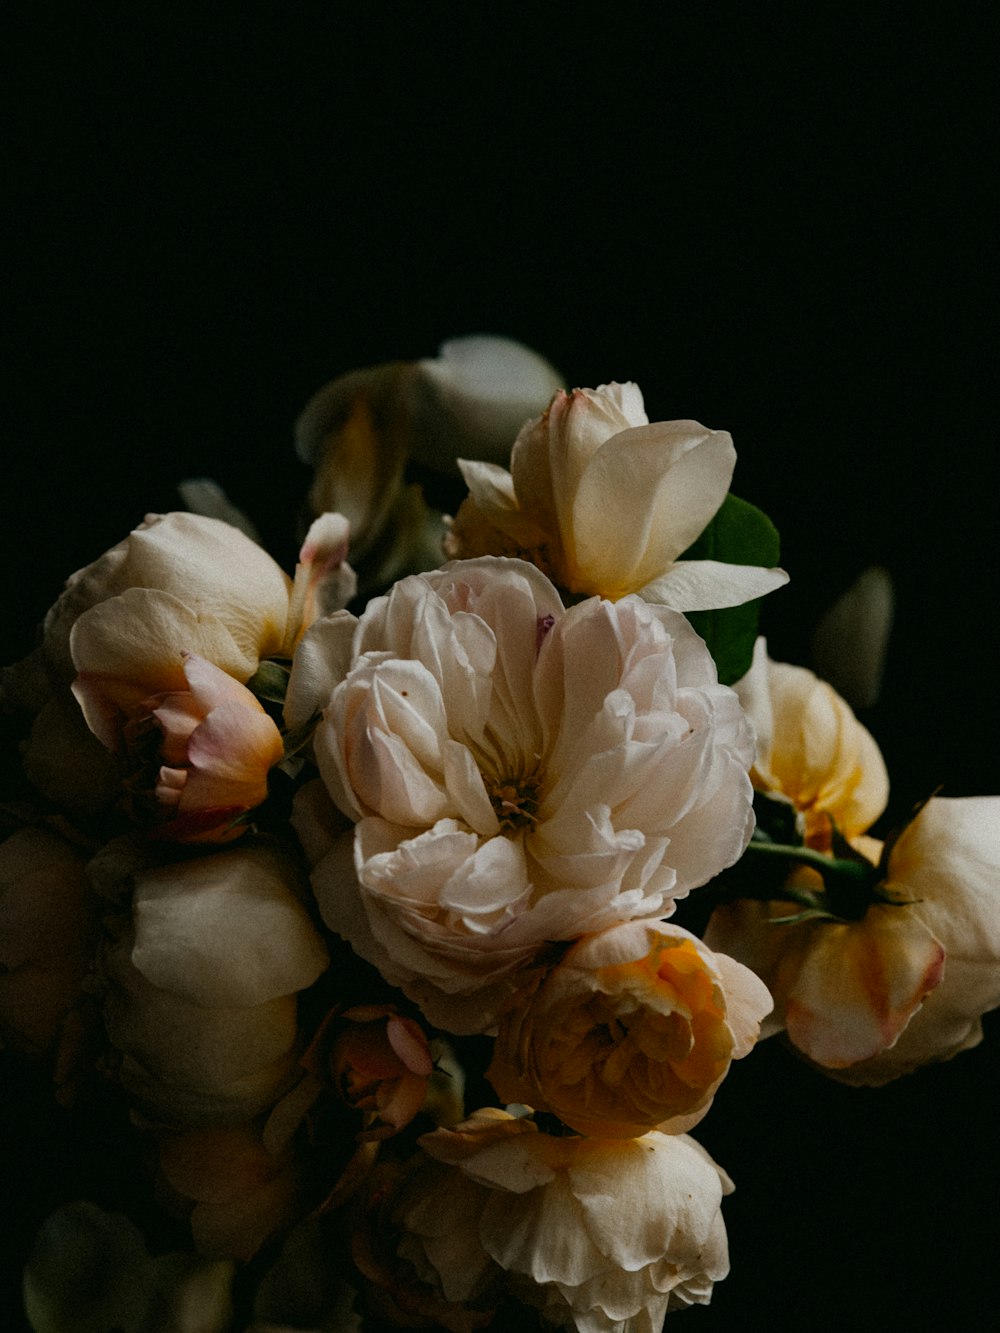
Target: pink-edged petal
[(211, 687), (230, 755), (324, 581), (708, 585), (860, 984)]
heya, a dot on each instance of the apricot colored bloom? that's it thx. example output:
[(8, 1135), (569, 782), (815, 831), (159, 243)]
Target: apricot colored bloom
[(812, 749), (600, 1235), (605, 502), (518, 773), (634, 1029), (217, 745)]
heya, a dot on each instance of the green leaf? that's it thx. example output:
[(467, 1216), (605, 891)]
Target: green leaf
[(270, 681), (739, 534)]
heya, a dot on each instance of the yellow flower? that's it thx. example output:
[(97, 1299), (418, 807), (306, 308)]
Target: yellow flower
[(634, 1029), (812, 750)]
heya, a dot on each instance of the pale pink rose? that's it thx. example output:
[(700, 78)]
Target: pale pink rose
[(200, 756), (812, 750), (518, 773), (634, 1029), (907, 984), (605, 502), (600, 1235)]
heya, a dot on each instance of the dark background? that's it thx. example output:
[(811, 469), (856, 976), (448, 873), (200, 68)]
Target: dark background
[(776, 218)]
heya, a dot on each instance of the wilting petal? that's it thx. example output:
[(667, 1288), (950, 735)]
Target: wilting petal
[(860, 984)]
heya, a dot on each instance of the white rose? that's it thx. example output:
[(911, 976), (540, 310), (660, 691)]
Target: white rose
[(519, 774)]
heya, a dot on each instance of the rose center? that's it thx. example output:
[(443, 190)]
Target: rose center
[(514, 801)]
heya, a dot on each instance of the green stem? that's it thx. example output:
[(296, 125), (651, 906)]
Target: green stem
[(848, 884)]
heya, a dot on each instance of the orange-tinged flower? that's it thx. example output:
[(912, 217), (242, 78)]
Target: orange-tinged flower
[(218, 745), (905, 985), (633, 1030)]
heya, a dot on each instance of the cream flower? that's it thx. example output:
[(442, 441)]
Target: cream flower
[(202, 977), (184, 583), (634, 1029), (812, 750), (907, 984), (602, 1236), (519, 774), (604, 502), (178, 583)]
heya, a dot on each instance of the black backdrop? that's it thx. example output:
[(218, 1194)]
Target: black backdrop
[(775, 218)]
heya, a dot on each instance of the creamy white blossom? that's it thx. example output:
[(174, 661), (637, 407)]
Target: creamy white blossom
[(201, 980), (601, 1235), (605, 502), (519, 773)]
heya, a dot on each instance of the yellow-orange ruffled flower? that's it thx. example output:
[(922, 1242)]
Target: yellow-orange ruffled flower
[(634, 1029)]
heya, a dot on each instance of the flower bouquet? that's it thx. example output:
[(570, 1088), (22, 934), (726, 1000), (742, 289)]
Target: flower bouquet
[(400, 918)]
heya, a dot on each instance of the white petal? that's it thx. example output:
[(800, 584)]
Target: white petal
[(644, 497), (707, 585)]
